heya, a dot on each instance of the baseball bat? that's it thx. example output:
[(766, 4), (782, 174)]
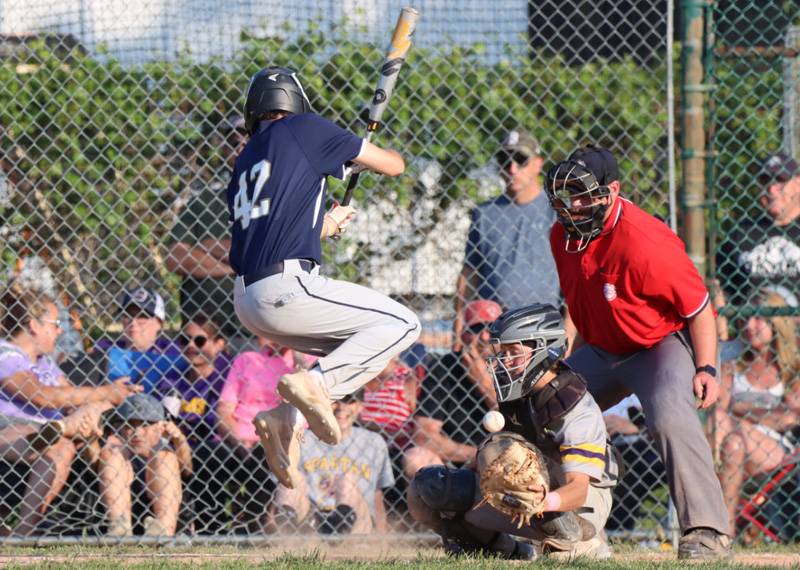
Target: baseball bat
[(390, 69)]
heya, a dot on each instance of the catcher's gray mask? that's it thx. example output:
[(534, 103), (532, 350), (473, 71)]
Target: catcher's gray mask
[(526, 343)]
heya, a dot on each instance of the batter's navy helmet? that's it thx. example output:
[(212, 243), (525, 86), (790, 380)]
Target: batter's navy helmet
[(526, 343), (273, 89)]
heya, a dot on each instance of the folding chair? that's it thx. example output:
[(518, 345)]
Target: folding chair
[(750, 507)]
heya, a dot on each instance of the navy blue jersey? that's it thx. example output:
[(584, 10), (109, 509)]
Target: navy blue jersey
[(276, 196)]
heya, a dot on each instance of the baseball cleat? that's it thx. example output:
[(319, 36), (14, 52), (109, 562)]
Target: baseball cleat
[(704, 544), (281, 441), (302, 391)]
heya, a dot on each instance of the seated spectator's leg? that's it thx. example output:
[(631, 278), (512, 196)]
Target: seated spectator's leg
[(14, 443), (259, 488), (47, 476), (209, 485), (163, 478), (347, 493), (764, 453), (289, 508), (116, 478), (416, 458), (720, 428), (745, 452), (731, 475)]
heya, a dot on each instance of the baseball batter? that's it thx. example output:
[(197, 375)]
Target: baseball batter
[(547, 404), (276, 201), (642, 310)]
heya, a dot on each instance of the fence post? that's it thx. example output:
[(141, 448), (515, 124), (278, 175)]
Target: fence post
[(694, 86)]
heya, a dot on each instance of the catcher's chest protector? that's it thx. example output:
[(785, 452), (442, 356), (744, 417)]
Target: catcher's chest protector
[(535, 415)]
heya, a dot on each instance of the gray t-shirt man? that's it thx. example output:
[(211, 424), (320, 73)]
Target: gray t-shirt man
[(509, 249), (364, 454)]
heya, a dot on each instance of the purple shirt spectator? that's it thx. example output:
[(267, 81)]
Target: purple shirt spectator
[(197, 414), (46, 371)]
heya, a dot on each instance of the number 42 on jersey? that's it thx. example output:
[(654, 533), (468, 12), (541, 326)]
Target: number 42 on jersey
[(244, 208)]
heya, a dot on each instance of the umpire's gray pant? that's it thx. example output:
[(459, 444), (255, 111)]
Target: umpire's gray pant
[(662, 379), (356, 330)]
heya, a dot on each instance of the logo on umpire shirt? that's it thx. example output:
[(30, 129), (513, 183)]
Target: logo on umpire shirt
[(609, 292)]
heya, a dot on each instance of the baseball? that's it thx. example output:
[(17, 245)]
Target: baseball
[(493, 421)]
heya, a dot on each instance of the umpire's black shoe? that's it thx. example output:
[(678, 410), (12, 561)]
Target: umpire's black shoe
[(704, 544)]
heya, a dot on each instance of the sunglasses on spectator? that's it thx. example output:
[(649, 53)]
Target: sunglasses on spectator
[(504, 159), (56, 322), (199, 340), (476, 328)]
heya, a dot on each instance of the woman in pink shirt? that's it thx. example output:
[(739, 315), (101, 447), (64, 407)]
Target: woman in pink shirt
[(251, 387)]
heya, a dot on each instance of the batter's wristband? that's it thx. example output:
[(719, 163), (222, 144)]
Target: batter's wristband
[(552, 502)]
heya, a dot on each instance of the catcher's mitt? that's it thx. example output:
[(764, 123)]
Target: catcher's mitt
[(507, 465)]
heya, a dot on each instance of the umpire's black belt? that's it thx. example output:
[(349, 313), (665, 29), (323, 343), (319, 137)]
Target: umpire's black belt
[(273, 269)]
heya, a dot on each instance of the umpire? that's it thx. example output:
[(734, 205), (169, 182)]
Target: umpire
[(645, 326)]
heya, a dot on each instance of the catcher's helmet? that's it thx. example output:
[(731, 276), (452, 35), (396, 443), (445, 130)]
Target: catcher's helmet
[(273, 89), (526, 343), (584, 175)]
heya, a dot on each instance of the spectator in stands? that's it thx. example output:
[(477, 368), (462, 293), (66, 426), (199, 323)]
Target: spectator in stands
[(389, 401), (199, 240), (760, 398), (21, 440), (191, 399), (341, 490), (456, 394), (643, 471), (145, 454), (137, 355), (251, 386), (765, 250), (33, 388), (33, 273), (508, 257), (24, 444)]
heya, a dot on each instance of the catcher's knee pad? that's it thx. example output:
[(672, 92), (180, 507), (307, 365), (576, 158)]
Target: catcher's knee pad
[(338, 521), (445, 489)]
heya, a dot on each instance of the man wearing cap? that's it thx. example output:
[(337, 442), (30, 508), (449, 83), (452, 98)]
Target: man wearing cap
[(765, 250), (145, 452), (645, 326), (507, 258), (341, 490), (456, 394), (137, 354)]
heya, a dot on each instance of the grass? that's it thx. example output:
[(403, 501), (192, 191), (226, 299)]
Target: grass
[(233, 558)]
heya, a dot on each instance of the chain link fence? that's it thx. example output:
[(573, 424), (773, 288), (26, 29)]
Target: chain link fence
[(120, 121), (755, 137)]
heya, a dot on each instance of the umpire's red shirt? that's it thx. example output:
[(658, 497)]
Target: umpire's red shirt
[(633, 285)]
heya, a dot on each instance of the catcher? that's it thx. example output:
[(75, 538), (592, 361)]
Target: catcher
[(549, 476)]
